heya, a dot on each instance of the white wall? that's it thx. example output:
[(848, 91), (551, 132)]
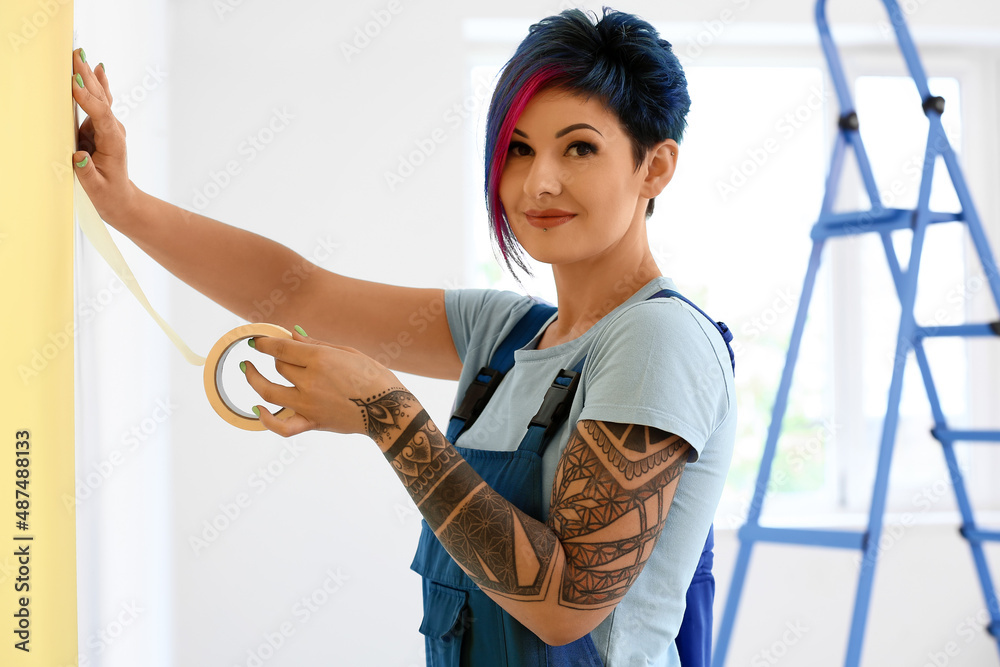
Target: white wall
[(332, 505)]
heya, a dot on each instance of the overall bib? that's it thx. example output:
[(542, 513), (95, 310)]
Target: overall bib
[(462, 626)]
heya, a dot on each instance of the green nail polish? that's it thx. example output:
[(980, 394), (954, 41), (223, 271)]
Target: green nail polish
[(251, 343), (79, 80), (83, 55), (101, 65), (83, 163), (243, 367), (301, 330), (256, 410)]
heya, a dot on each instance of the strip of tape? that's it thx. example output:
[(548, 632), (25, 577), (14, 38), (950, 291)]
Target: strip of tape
[(97, 233)]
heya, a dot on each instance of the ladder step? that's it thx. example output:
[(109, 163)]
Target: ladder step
[(944, 434), (862, 222), (843, 539), (988, 329), (976, 535)]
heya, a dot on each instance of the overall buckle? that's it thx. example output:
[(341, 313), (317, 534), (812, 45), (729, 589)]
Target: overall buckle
[(555, 405), (478, 394)]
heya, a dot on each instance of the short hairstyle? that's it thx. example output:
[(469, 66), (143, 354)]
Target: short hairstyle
[(620, 58)]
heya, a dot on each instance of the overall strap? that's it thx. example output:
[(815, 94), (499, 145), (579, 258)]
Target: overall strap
[(553, 411), (488, 378), (555, 405), (727, 335)]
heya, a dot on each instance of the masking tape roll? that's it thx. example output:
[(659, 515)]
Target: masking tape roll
[(213, 375)]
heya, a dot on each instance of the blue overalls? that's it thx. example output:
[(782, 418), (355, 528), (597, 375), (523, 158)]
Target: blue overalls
[(462, 626)]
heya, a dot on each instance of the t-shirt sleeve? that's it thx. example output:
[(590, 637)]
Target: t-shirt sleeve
[(656, 365), (477, 316)]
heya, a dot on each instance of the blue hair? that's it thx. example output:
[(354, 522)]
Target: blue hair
[(620, 58)]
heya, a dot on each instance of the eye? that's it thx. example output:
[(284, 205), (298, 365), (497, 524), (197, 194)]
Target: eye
[(582, 148), (518, 149)]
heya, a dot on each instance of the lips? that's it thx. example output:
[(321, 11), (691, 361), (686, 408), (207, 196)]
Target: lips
[(550, 217)]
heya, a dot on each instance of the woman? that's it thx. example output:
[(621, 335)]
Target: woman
[(530, 553)]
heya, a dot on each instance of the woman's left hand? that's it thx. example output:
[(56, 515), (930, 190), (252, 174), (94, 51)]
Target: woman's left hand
[(330, 383)]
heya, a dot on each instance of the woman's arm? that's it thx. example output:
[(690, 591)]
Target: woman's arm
[(613, 488), (404, 328), (252, 276)]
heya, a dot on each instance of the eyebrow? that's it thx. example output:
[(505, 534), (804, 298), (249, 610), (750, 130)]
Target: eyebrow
[(565, 130)]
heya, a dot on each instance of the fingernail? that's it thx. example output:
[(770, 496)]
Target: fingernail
[(251, 343), (101, 65), (301, 330), (243, 367), (83, 163), (83, 55), (79, 80), (256, 410)]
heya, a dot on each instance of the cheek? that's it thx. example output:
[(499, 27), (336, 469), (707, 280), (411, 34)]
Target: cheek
[(508, 188)]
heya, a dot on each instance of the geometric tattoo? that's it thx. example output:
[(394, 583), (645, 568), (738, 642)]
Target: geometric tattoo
[(613, 486), (610, 499), (501, 548)]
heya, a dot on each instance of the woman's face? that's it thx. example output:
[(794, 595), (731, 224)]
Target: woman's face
[(569, 185)]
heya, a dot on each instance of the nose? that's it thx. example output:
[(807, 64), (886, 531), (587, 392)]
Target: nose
[(545, 177)]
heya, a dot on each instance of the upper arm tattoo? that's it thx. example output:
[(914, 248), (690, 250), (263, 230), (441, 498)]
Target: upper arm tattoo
[(612, 490)]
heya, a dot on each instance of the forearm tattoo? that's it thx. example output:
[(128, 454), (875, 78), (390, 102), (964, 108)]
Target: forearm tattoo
[(383, 412), (501, 548), (611, 493)]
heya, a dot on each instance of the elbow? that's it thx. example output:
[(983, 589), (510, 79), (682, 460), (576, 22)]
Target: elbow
[(560, 634), (562, 638)]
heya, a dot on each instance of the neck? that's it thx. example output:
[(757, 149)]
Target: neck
[(590, 289)]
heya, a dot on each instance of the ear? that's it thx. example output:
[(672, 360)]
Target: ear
[(661, 161)]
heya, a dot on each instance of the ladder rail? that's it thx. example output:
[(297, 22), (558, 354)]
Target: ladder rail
[(876, 514), (850, 133)]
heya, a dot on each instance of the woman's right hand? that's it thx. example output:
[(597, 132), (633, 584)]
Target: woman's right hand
[(101, 146)]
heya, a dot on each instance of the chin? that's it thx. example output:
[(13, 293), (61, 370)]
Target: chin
[(555, 254)]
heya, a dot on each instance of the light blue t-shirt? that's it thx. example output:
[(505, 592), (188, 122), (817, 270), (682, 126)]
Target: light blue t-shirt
[(657, 363)]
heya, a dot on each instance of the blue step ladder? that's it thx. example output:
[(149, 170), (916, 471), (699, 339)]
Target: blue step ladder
[(880, 220)]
